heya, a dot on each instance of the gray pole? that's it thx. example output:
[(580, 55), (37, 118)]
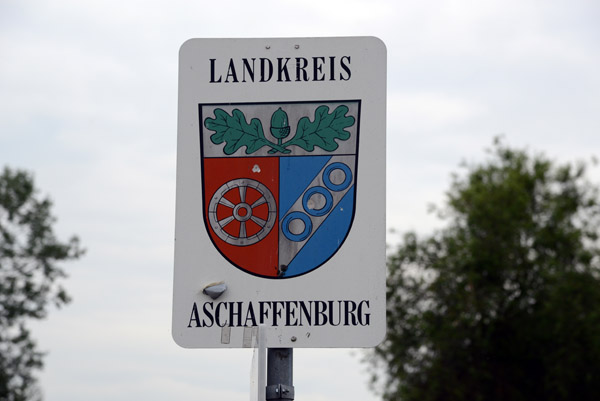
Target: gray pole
[(280, 382)]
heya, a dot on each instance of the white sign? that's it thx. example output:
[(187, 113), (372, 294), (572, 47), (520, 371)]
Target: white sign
[(280, 212)]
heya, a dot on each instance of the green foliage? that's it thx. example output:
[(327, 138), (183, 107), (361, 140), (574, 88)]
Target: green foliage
[(29, 253), (504, 303), (236, 132), (322, 132)]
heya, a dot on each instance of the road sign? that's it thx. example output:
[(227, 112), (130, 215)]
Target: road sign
[(280, 193)]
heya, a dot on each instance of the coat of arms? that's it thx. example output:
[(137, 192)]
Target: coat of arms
[(279, 182)]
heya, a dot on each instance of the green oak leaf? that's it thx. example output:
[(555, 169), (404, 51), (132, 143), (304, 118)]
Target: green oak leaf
[(236, 132), (324, 130)]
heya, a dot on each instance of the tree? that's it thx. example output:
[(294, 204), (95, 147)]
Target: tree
[(29, 279), (504, 302)]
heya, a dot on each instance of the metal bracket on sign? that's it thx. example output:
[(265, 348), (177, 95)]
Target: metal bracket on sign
[(280, 392)]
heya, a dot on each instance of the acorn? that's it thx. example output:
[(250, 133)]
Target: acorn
[(280, 126)]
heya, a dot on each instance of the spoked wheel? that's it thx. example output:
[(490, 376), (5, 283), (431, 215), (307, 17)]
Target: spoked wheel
[(242, 212)]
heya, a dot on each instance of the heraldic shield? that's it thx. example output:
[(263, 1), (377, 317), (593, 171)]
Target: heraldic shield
[(279, 182)]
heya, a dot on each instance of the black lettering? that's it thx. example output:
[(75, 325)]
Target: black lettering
[(208, 314), (366, 316), (304, 311), (318, 74), (301, 64), (282, 69), (248, 69), (331, 314), (233, 314), (212, 71), (266, 69), (218, 314), (264, 314), (332, 68), (338, 69), (290, 313), (350, 309), (276, 311), (250, 316), (320, 313), (345, 67), (194, 316), (231, 72)]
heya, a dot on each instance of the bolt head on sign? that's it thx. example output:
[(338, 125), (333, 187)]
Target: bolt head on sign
[(280, 193)]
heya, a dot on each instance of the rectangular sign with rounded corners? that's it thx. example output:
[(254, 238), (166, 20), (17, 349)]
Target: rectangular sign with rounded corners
[(280, 211)]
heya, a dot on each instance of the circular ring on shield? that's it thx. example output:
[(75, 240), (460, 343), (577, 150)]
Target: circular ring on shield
[(313, 198), (240, 211), (331, 177), (296, 234)]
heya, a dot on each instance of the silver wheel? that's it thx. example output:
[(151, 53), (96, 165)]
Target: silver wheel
[(242, 212)]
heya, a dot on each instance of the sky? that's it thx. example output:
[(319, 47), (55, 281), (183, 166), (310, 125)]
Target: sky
[(88, 103)]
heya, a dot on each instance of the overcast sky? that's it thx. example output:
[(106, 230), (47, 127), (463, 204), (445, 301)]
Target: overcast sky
[(88, 102)]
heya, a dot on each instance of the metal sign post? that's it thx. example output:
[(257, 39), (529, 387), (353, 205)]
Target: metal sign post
[(280, 372), (272, 371)]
